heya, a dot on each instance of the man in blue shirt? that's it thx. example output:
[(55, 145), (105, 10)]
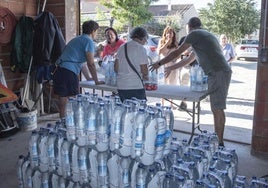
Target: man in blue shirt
[(72, 61)]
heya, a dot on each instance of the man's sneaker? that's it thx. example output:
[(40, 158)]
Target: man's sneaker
[(183, 105)]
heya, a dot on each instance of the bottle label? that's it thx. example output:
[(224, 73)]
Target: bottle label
[(91, 124), (91, 135), (51, 150), (102, 169)]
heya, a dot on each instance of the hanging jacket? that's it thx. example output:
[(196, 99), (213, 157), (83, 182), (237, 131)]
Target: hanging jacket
[(48, 44), (22, 45), (48, 41)]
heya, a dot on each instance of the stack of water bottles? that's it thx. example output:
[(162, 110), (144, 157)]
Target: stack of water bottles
[(108, 69), (104, 143), (198, 79)]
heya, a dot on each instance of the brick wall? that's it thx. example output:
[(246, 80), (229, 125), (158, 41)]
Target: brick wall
[(15, 81)]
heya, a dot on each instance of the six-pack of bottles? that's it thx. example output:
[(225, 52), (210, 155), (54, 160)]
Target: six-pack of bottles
[(104, 143), (198, 79)]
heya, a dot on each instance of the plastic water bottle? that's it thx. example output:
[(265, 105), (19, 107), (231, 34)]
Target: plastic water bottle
[(115, 126), (199, 79), (74, 161), (172, 181), (141, 175), (124, 172), (33, 149), (65, 159), (28, 177), (103, 175), (152, 178), (127, 122), (102, 128), (161, 75), (169, 116), (91, 124), (62, 183), (51, 151), (161, 134), (83, 164), (113, 74), (79, 119), (193, 78), (53, 179), (20, 161), (92, 155), (69, 120), (36, 178), (150, 136), (138, 134), (43, 151), (113, 168), (58, 143), (44, 180)]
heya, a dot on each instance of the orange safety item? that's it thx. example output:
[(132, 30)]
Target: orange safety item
[(7, 25)]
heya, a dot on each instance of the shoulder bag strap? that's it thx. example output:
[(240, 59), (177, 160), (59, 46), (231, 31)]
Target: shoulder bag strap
[(130, 64)]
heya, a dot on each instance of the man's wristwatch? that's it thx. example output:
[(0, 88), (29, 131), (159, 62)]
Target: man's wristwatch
[(159, 64)]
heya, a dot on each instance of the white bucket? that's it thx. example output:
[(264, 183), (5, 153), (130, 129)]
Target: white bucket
[(27, 121)]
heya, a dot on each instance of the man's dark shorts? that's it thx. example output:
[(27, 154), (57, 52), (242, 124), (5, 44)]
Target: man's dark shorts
[(65, 83)]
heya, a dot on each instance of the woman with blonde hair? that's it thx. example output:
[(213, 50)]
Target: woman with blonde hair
[(167, 44)]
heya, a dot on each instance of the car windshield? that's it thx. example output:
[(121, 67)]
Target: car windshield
[(250, 42), (155, 40)]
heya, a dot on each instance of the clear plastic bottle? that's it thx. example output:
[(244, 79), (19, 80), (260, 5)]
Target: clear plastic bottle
[(91, 124), (43, 151), (53, 180), (152, 178), (199, 78), (113, 168), (44, 180), (115, 126), (124, 172), (79, 119), (92, 155), (150, 136), (127, 122), (193, 77), (102, 128), (172, 181), (33, 149), (51, 151), (69, 120), (141, 175), (20, 161), (161, 134), (36, 178), (138, 134), (73, 149), (84, 165), (58, 144), (65, 159), (169, 116), (28, 183), (103, 175)]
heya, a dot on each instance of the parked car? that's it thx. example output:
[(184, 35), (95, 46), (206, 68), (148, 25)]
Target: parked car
[(247, 49)]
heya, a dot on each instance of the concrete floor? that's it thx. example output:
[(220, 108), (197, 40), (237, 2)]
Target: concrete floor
[(238, 130)]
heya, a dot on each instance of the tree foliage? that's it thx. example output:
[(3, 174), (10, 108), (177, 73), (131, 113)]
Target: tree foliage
[(132, 12), (235, 18)]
